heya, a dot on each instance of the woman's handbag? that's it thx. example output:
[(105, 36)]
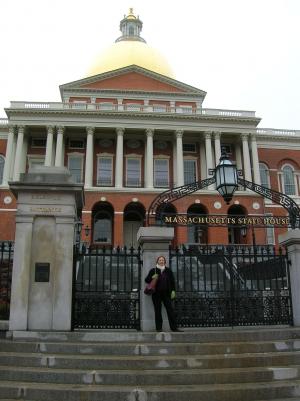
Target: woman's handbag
[(150, 287)]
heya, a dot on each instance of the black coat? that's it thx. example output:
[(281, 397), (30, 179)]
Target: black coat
[(170, 280)]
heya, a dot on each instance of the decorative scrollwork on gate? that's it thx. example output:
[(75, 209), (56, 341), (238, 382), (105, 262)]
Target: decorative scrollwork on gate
[(161, 201), (277, 197)]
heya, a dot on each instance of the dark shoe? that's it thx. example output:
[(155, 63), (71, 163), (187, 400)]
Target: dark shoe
[(178, 330)]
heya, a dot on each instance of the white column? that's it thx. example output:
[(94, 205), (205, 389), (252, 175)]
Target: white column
[(255, 161), (246, 158), (149, 159), (49, 146), (119, 159), (202, 161), (179, 158), (217, 136), (18, 156), (89, 158), (8, 155), (59, 147), (174, 163), (238, 155), (208, 153)]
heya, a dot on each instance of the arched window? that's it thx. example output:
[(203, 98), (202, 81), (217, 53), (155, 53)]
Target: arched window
[(264, 175), (289, 187), (1, 168), (103, 223), (131, 31)]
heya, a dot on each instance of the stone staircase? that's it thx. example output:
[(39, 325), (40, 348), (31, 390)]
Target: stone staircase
[(216, 365)]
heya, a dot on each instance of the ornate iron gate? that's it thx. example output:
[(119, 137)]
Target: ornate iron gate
[(231, 286), (6, 264), (106, 288)]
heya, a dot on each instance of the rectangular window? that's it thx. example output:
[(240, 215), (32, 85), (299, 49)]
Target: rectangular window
[(133, 172), (75, 163), (133, 106), (189, 147), (105, 171), (76, 144), (38, 142), (161, 173), (190, 174), (184, 109)]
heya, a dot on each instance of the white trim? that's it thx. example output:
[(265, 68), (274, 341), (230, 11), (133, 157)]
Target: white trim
[(35, 158), (294, 177), (8, 210)]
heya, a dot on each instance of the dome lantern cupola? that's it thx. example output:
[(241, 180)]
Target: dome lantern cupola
[(131, 26)]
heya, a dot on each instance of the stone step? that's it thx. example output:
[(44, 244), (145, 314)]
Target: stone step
[(188, 336), (149, 377), (166, 348), (163, 362), (217, 392)]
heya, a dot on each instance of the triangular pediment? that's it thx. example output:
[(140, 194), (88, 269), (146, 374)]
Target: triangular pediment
[(132, 78)]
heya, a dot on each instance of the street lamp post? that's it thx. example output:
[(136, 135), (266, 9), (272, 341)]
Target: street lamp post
[(226, 178)]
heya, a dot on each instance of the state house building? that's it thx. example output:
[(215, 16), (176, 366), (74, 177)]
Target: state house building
[(130, 131)]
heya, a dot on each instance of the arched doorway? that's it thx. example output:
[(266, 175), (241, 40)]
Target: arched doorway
[(237, 234), (134, 217), (197, 234), (102, 223)]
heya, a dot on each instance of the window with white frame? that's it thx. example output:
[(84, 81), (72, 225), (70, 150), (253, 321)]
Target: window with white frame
[(264, 175), (105, 171), (75, 165), (190, 170), (161, 173), (184, 109), (2, 161), (103, 227), (133, 172), (289, 187)]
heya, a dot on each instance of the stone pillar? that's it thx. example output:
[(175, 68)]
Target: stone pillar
[(41, 292), (19, 152), (149, 159), (291, 240), (246, 158), (155, 242), (119, 158), (217, 136), (8, 155), (59, 147), (89, 158), (49, 146), (255, 161), (179, 158), (238, 156)]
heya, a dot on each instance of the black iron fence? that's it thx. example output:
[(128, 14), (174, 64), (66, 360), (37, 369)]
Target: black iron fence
[(231, 286), (106, 288), (6, 264)]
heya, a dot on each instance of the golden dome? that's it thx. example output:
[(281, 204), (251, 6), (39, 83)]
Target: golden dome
[(129, 52)]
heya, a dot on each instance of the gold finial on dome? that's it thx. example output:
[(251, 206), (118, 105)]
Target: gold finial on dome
[(130, 14)]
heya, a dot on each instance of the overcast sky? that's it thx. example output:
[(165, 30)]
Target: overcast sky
[(244, 53)]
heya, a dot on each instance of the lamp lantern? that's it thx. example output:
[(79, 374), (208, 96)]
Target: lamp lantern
[(226, 178)]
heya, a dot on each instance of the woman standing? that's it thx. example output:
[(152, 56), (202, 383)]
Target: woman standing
[(164, 293)]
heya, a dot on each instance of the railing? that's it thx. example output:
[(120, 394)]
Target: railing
[(3, 121), (132, 107)]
